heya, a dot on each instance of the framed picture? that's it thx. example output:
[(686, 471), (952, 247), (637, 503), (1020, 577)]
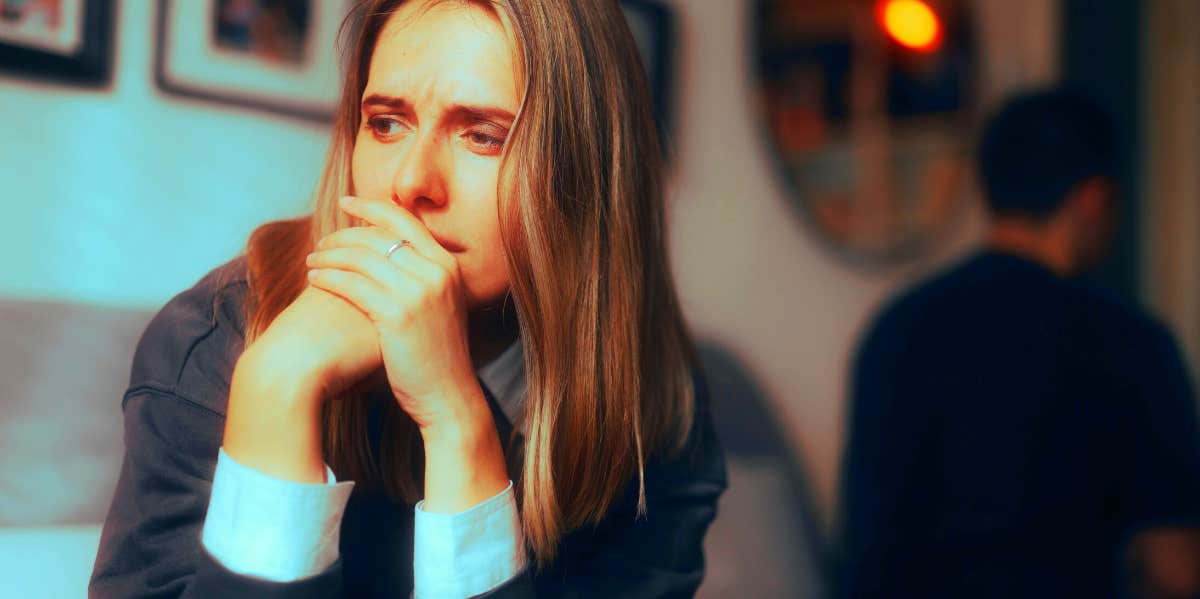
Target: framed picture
[(273, 55), (69, 40)]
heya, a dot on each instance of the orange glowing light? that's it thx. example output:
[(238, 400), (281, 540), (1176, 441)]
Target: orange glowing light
[(912, 23)]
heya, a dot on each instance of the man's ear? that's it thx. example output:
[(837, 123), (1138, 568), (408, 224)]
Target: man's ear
[(1091, 200)]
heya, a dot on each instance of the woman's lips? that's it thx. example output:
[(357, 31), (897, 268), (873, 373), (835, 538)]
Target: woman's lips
[(449, 244)]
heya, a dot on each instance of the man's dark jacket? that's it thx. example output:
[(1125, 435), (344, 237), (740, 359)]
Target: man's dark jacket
[(1009, 431)]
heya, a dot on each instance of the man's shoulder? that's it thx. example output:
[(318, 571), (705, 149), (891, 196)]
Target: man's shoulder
[(1100, 302), (190, 347), (1122, 324), (947, 287)]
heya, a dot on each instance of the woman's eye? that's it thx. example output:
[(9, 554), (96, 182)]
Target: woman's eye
[(484, 141), (383, 127)]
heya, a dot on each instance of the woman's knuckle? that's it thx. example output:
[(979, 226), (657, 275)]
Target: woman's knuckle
[(392, 313), (442, 279)]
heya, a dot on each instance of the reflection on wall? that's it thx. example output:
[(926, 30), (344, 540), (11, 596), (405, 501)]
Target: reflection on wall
[(865, 105)]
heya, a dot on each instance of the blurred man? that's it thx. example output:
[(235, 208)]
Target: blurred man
[(1012, 429)]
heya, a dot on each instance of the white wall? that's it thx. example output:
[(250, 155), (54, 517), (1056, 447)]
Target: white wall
[(125, 196), (752, 276), (1170, 213)]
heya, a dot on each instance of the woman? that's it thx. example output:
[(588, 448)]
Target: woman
[(480, 296)]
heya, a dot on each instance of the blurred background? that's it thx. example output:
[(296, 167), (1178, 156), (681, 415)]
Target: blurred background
[(821, 161)]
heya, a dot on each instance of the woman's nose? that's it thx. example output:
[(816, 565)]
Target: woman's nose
[(419, 178)]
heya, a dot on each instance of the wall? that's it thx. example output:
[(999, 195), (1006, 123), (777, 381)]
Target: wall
[(1171, 185), (1103, 57), (752, 276), (126, 196)]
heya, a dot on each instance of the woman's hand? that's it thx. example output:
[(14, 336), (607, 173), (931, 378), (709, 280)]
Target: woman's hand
[(414, 300), (319, 345)]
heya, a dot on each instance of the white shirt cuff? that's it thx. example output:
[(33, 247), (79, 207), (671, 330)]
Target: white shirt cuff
[(274, 529), (468, 553)]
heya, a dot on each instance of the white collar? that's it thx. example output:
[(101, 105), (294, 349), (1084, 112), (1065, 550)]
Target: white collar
[(504, 376)]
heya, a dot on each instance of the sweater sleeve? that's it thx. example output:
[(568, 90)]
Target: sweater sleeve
[(151, 542), (174, 422)]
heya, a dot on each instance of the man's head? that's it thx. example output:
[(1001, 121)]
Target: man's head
[(1047, 163)]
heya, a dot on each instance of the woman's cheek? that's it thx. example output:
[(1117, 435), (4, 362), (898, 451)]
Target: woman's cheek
[(487, 286), (368, 175), (485, 274)]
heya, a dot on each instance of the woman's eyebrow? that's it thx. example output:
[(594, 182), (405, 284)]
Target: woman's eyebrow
[(480, 113), (381, 100), (458, 112)]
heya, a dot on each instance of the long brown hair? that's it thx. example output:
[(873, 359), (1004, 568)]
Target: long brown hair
[(608, 359)]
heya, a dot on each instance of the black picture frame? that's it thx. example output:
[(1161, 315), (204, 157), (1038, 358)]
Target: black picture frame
[(230, 96), (90, 65), (652, 22)]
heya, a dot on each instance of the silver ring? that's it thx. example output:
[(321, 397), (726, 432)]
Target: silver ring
[(396, 246)]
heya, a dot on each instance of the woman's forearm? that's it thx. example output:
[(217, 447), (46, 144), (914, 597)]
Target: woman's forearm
[(464, 460), (273, 423)]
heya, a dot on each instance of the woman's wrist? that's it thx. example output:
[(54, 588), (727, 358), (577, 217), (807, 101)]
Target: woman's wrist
[(284, 376), (272, 422), (464, 459), (460, 418)]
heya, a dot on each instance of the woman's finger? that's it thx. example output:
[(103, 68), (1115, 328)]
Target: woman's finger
[(369, 237), (368, 296), (394, 218), (377, 240), (390, 274)]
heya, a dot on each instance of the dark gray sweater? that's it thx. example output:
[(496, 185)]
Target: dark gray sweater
[(174, 421)]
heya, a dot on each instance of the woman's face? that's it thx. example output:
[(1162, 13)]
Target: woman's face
[(438, 104)]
